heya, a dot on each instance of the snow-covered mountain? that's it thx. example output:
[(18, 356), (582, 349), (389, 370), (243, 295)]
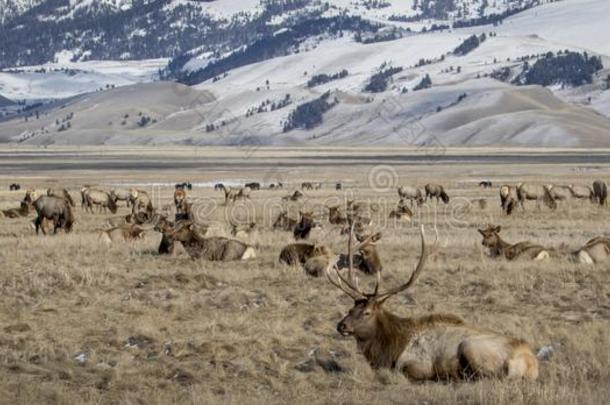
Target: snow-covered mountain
[(266, 72)]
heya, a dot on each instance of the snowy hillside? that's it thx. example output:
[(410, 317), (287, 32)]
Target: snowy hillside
[(356, 72)]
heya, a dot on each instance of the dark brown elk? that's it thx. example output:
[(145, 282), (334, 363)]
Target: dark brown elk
[(596, 250), (303, 228), (336, 216), (486, 184), (101, 199), (254, 186), (338, 186), (30, 197), (55, 209), (219, 186), (123, 233), (437, 191), (168, 243), (509, 199), (499, 248), (412, 194), (428, 347), (534, 192), (401, 212), (63, 193), (14, 187), (581, 192), (298, 253), (306, 186), (213, 248), (284, 222), (600, 192), (366, 258), (183, 208)]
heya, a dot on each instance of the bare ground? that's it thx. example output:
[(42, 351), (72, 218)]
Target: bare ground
[(83, 322)]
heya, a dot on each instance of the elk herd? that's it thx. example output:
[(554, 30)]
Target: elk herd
[(428, 347)]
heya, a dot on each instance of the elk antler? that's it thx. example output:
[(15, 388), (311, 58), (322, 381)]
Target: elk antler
[(348, 289), (420, 266)]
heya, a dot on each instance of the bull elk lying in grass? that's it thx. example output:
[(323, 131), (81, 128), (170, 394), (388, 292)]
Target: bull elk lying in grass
[(428, 347), (366, 259), (215, 248), (313, 258), (498, 247)]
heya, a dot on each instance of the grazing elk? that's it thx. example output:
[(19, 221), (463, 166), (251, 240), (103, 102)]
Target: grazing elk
[(284, 222), (536, 193), (411, 194), (61, 192), (101, 199), (509, 198), (428, 347), (214, 248), (338, 186), (486, 184), (600, 192), (254, 186), (581, 192), (55, 209), (14, 187), (219, 186), (121, 194), (401, 211), (596, 250), (306, 185), (559, 193), (437, 191), (122, 233), (497, 247), (303, 228)]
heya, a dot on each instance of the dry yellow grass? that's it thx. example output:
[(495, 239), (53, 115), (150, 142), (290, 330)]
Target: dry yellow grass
[(82, 322)]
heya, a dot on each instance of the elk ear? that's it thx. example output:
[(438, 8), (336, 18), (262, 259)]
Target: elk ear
[(376, 237), (481, 231), (498, 228)]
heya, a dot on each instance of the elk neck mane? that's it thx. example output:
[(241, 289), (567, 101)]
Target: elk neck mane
[(393, 333)]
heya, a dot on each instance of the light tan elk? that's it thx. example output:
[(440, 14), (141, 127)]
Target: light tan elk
[(509, 199), (595, 251), (581, 192), (538, 193), (61, 192), (559, 193), (101, 199), (121, 194), (123, 233), (401, 212), (213, 248), (499, 248), (139, 199), (412, 194), (233, 194), (22, 211), (428, 347)]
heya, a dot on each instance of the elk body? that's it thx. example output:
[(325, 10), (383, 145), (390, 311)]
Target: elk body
[(538, 193), (121, 194), (509, 199), (559, 193), (122, 233), (300, 253), (437, 191), (412, 194), (581, 192), (366, 258), (22, 211), (498, 247), (55, 209), (596, 250), (214, 248), (61, 192), (428, 347), (101, 199), (600, 192), (303, 228)]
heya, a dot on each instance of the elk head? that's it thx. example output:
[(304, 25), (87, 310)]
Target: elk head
[(491, 239), (363, 319)]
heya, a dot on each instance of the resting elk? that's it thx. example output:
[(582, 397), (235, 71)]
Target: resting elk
[(427, 347), (284, 222), (366, 259), (437, 191), (22, 211), (303, 228), (596, 250), (411, 194), (498, 247), (313, 258), (401, 212), (336, 216), (213, 248), (122, 233)]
